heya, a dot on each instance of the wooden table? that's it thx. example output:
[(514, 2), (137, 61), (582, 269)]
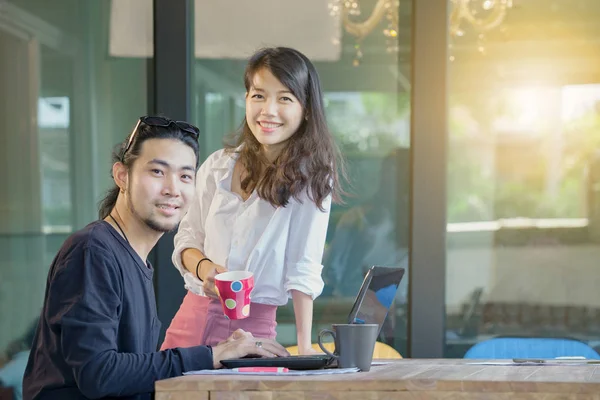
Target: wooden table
[(399, 380)]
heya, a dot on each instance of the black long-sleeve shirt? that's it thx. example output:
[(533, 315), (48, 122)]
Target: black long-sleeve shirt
[(98, 332)]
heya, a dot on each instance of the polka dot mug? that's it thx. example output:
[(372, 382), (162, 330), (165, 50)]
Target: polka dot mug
[(234, 289)]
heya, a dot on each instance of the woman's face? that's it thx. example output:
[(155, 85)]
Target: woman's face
[(273, 113)]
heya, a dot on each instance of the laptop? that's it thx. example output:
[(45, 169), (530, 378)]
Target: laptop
[(371, 306)]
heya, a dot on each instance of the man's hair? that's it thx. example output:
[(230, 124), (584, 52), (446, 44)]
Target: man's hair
[(311, 160), (127, 153)]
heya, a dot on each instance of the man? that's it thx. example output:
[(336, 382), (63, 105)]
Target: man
[(98, 331)]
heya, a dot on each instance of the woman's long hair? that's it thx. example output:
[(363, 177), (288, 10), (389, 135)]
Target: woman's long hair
[(311, 160), (128, 156)]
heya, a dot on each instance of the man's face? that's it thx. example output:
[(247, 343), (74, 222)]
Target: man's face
[(161, 183)]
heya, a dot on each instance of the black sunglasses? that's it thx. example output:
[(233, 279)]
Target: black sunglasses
[(162, 122)]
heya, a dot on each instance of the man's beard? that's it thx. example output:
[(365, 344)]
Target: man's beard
[(149, 221), (152, 224)]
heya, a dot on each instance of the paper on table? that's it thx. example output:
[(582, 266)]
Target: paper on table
[(536, 362), (377, 363), (330, 371), (501, 362)]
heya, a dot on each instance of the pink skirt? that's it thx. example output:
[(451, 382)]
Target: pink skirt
[(200, 321)]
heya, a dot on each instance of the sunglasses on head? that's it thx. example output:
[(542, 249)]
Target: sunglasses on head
[(162, 122)]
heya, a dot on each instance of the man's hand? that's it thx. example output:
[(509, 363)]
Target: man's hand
[(241, 343), (209, 271)]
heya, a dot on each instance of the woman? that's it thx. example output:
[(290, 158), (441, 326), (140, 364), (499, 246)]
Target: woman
[(262, 206)]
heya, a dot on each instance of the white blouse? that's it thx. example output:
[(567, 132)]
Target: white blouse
[(282, 246)]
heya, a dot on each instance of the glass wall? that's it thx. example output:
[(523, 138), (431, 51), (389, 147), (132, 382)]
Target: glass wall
[(523, 204), (67, 96), (367, 97)]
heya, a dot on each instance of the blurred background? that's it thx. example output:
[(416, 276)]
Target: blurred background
[(522, 171)]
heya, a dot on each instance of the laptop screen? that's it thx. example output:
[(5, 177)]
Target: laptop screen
[(376, 295)]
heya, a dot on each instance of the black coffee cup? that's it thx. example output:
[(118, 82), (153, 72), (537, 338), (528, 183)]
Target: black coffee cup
[(354, 344)]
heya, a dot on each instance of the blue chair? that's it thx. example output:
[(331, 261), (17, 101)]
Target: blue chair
[(516, 347)]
